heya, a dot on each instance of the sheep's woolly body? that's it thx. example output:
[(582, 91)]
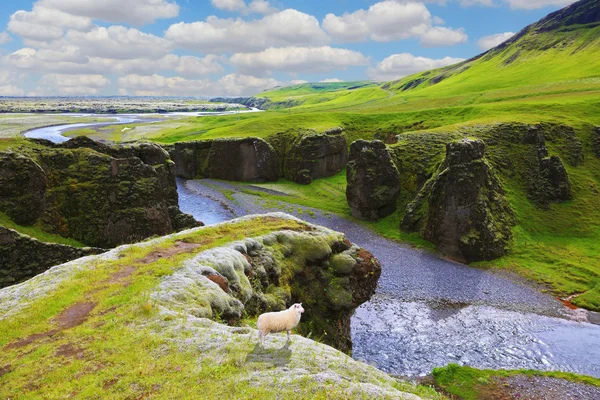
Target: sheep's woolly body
[(280, 321)]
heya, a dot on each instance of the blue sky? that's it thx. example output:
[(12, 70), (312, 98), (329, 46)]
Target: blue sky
[(240, 47)]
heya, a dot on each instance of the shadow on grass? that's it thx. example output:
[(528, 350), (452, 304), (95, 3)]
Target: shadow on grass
[(271, 356)]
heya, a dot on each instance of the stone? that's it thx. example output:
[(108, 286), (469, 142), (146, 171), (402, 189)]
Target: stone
[(23, 187), (373, 181), (462, 209), (316, 156), (245, 160), (555, 180), (23, 257)]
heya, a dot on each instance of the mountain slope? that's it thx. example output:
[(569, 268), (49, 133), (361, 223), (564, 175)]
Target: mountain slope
[(563, 46)]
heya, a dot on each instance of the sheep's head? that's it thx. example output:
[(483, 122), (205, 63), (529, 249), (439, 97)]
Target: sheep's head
[(297, 307)]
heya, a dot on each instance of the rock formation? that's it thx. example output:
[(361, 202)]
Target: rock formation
[(596, 141), (100, 195), (298, 155), (246, 160), (373, 181), (462, 209), (316, 156), (23, 257)]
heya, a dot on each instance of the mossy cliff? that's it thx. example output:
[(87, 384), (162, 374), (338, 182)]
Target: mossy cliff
[(97, 194), (23, 257), (462, 209), (373, 181), (175, 316), (297, 155)]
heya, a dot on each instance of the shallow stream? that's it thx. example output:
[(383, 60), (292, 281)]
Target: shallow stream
[(427, 311)]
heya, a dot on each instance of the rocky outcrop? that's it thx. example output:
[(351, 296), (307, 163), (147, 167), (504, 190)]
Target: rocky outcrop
[(316, 156), (298, 155), (246, 160), (23, 257), (100, 195), (373, 181), (462, 209), (22, 188), (596, 141)]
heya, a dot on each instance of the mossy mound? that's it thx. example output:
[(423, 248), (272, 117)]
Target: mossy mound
[(100, 195), (145, 319), (462, 209)]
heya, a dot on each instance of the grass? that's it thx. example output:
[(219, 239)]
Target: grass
[(473, 384), (37, 232)]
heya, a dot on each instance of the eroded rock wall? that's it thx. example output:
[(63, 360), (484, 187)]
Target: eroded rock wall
[(23, 257), (373, 181), (100, 195), (462, 209)]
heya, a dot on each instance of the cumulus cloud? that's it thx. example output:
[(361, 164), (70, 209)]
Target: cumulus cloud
[(298, 59), (331, 80), (136, 12), (214, 35), (439, 36), (388, 21), (533, 4), (70, 84), (400, 65), (487, 42), (43, 23), (256, 6), (9, 82), (229, 85), (5, 38)]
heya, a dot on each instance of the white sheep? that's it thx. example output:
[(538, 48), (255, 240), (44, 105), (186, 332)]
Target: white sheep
[(280, 321)]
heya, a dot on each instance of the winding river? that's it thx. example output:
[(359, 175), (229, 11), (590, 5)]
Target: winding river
[(427, 311)]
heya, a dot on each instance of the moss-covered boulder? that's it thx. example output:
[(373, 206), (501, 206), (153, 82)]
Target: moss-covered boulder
[(373, 181), (22, 188), (189, 158), (462, 209), (102, 195), (246, 160), (316, 156), (23, 257)]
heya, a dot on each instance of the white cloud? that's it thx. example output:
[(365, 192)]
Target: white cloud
[(298, 59), (229, 85), (382, 22), (214, 35), (119, 42), (298, 82), (467, 3), (400, 65), (533, 4), (190, 66), (70, 84), (42, 23), (256, 6), (5, 38), (439, 36), (137, 12), (487, 42), (331, 80), (438, 21), (388, 21), (229, 5), (8, 84)]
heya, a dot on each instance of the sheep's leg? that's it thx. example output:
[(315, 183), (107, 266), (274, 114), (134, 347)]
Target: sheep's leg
[(288, 336), (260, 338)]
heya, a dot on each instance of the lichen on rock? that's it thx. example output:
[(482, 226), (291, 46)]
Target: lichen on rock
[(462, 209)]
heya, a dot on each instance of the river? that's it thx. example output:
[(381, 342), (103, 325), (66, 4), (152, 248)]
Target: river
[(427, 311)]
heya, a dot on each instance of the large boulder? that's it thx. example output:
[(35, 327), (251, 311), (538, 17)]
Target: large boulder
[(462, 209), (316, 156), (246, 160), (22, 188), (23, 257), (189, 157), (101, 195), (373, 181)]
